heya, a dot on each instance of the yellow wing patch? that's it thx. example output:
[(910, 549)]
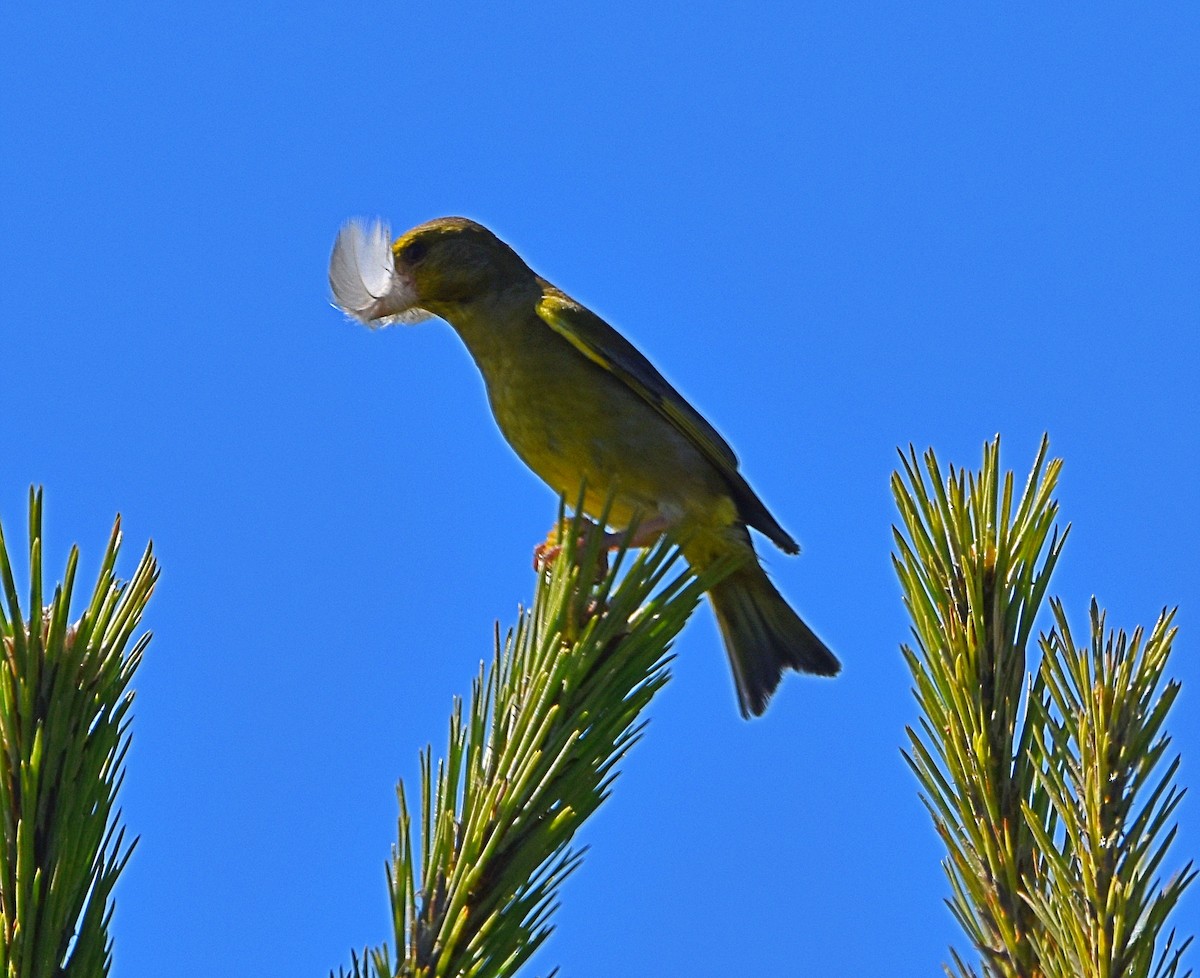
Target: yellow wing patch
[(563, 329)]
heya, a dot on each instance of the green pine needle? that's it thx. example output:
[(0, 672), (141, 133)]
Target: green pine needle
[(64, 732), (533, 755), (1047, 790), (1098, 728)]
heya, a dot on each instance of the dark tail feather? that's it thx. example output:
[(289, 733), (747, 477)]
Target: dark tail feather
[(764, 636)]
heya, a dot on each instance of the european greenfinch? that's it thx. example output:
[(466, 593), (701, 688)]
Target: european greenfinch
[(582, 407)]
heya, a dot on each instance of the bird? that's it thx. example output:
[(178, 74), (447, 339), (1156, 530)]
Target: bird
[(582, 407)]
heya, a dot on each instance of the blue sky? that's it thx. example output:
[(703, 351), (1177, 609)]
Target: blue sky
[(837, 228)]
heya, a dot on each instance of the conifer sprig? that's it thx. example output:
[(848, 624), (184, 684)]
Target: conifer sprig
[(533, 755), (1099, 733), (1047, 790), (64, 732)]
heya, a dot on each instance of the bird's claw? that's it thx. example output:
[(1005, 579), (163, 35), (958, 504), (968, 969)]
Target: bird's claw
[(545, 554), (549, 550)]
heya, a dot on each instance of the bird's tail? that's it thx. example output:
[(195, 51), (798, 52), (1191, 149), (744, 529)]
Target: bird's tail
[(764, 636)]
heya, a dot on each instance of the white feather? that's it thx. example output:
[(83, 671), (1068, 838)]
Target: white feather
[(365, 282)]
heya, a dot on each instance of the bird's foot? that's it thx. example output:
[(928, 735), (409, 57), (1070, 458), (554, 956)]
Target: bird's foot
[(548, 551), (646, 533)]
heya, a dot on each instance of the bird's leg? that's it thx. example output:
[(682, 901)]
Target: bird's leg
[(644, 534), (546, 552)]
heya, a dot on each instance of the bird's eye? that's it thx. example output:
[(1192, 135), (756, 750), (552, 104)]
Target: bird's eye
[(413, 252)]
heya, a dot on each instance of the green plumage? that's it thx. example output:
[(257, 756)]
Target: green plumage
[(581, 406)]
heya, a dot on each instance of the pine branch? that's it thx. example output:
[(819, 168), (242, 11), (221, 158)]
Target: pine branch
[(534, 754), (64, 731), (1098, 729), (973, 573), (1051, 805)]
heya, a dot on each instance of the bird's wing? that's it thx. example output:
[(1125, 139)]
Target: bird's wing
[(603, 345)]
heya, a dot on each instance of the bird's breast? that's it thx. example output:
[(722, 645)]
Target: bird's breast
[(575, 423)]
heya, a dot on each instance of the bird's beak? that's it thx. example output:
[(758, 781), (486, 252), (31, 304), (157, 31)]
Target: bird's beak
[(365, 281)]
